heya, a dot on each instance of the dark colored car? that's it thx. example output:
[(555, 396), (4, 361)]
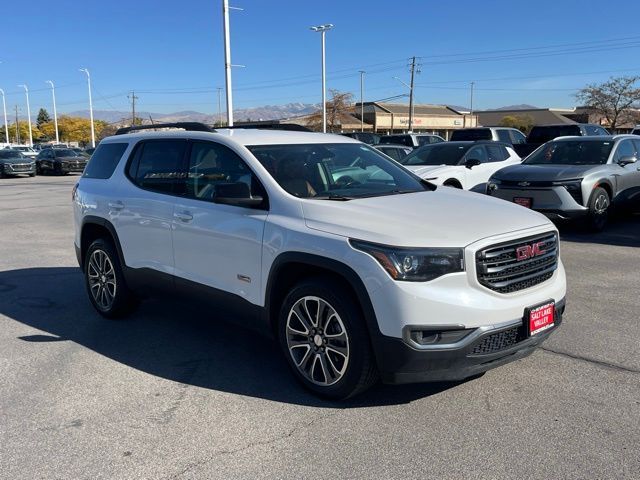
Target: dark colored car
[(397, 152), (541, 134), (13, 162), (60, 161), (364, 137)]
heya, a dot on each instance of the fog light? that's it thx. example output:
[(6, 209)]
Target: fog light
[(438, 336)]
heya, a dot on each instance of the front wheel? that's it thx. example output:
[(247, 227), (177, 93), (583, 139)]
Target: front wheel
[(106, 286), (323, 336), (599, 206)]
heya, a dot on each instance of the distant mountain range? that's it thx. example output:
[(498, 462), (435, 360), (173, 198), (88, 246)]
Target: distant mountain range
[(522, 106), (267, 112)]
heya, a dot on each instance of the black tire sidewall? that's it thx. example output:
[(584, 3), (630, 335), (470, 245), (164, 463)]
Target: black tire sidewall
[(122, 300), (360, 355)]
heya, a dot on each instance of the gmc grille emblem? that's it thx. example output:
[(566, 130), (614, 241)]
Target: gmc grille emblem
[(529, 251)]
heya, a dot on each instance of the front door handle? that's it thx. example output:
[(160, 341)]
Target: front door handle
[(116, 205), (183, 216)]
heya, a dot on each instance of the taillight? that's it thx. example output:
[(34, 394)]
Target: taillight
[(73, 192)]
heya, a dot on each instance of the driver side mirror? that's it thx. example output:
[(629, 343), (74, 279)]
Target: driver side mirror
[(627, 160), (472, 162), (236, 194)]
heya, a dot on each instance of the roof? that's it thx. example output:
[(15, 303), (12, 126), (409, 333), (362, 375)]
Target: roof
[(593, 138), (241, 136), (540, 116), (403, 109)]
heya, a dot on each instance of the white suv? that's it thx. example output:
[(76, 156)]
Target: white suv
[(360, 269)]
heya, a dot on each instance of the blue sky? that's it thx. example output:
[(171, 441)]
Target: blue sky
[(171, 53)]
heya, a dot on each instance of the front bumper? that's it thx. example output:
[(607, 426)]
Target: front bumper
[(476, 353), (554, 202), (72, 168), (26, 168)]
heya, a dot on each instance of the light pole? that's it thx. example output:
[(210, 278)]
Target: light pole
[(362, 72), (93, 132), (6, 124), (55, 112), (323, 30), (219, 108), (26, 92)]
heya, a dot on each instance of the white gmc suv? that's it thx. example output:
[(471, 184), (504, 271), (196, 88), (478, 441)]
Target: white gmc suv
[(360, 269)]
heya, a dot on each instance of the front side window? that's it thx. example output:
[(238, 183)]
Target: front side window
[(156, 165), (571, 152), (440, 154), (478, 153), (497, 153), (211, 165), (104, 160), (517, 138), (625, 149), (342, 171)]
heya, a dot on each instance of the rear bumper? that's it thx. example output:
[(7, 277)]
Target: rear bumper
[(399, 362)]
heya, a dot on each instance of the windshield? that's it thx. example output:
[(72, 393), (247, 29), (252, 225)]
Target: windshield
[(65, 152), (22, 149), (440, 154), (10, 154), (471, 134), (571, 152), (340, 171)]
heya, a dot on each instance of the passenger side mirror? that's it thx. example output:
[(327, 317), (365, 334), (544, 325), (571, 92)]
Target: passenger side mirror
[(627, 160), (472, 162), (236, 194)]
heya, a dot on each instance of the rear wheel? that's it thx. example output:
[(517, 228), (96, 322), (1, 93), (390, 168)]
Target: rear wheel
[(106, 286), (322, 334), (599, 207)]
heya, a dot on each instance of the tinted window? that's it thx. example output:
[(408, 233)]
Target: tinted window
[(591, 130), (64, 152), (571, 152), (440, 154), (544, 134), (104, 160), (601, 131), (497, 153), (625, 149), (517, 137), (478, 153), (392, 152), (400, 139), (471, 134), (212, 164), (503, 135), (427, 139), (156, 165)]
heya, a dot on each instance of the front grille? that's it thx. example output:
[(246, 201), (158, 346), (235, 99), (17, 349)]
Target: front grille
[(20, 167), (498, 341), (499, 269)]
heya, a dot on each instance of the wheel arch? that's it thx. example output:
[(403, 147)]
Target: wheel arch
[(97, 227), (453, 181)]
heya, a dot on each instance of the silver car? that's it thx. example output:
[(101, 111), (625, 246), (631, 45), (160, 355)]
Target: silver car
[(574, 177)]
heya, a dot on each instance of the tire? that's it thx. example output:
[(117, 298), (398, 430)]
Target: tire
[(452, 184), (32, 174), (38, 169), (599, 207), (104, 280), (57, 169), (332, 359)]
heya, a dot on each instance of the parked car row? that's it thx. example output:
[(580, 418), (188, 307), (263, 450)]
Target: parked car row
[(57, 161)]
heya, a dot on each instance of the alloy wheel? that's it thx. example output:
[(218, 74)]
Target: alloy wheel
[(317, 341), (102, 279), (601, 204)]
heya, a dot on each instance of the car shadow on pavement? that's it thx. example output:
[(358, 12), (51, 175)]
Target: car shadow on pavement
[(623, 230), (171, 340)]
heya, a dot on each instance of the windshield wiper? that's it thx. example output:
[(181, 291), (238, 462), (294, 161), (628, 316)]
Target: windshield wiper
[(334, 197)]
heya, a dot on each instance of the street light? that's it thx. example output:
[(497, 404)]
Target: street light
[(6, 124), (55, 113), (323, 30), (26, 92), (93, 133)]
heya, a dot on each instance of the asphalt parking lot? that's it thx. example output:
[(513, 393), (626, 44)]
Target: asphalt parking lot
[(171, 393)]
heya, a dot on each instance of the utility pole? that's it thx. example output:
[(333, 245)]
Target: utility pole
[(133, 107), (471, 106), (17, 128), (219, 107), (413, 70), (362, 72)]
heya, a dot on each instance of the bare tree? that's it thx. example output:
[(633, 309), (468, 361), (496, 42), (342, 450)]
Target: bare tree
[(614, 99), (339, 105)]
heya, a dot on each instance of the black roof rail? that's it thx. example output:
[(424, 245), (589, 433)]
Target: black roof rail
[(188, 126), (271, 126)]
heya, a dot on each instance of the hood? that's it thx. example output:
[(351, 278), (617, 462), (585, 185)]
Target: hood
[(428, 171), (72, 159), (543, 173), (445, 217)]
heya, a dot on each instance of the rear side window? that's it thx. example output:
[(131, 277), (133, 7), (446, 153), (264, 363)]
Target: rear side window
[(503, 136), (517, 138), (471, 134), (156, 165), (104, 160), (497, 153)]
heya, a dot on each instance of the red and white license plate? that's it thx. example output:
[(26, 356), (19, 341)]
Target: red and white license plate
[(540, 318), (523, 201)]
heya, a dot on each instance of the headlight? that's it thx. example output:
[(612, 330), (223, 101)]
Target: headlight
[(492, 184), (570, 185), (414, 264)]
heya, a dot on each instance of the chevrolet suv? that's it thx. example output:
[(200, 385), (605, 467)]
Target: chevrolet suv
[(358, 277)]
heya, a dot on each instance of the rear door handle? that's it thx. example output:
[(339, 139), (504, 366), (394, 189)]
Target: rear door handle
[(183, 216), (116, 205)]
